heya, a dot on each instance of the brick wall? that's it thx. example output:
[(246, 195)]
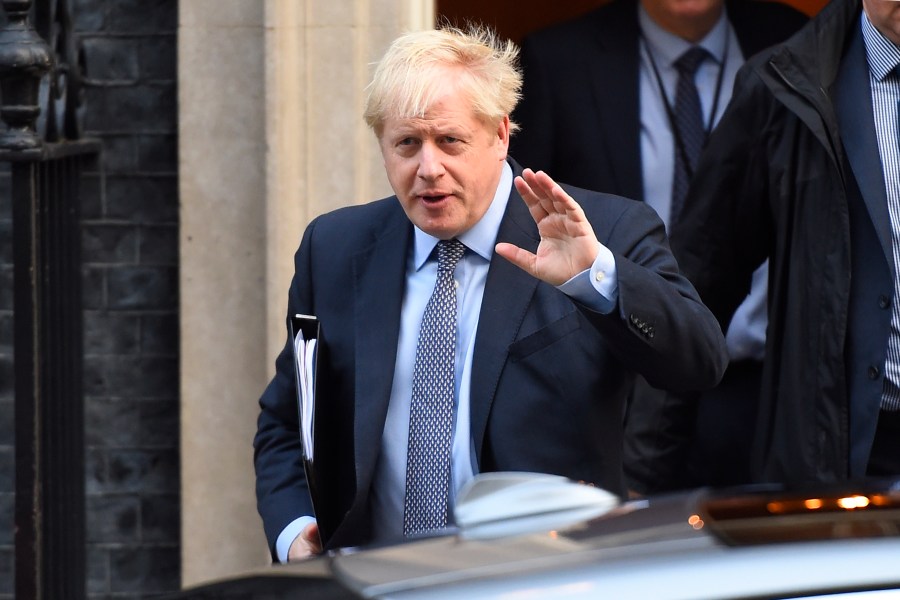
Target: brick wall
[(130, 251)]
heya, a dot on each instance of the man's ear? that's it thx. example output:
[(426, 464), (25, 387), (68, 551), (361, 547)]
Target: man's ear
[(503, 137)]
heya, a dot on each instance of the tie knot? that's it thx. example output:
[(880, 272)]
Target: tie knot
[(449, 253), (689, 62)]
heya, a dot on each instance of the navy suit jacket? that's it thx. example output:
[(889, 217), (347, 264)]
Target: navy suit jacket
[(580, 108), (872, 263), (549, 376)]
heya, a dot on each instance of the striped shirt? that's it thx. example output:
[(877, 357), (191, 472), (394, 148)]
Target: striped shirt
[(884, 78)]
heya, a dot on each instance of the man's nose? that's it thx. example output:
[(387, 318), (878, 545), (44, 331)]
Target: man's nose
[(430, 161)]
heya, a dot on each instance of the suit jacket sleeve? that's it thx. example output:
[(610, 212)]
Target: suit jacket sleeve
[(281, 488), (661, 328)]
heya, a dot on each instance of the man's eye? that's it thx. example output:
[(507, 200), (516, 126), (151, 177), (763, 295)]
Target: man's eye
[(450, 140), (406, 142)]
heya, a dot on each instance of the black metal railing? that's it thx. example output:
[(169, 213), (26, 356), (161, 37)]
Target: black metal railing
[(41, 70)]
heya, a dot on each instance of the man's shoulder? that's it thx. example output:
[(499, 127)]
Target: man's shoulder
[(361, 212), (349, 221), (601, 205), (616, 218)]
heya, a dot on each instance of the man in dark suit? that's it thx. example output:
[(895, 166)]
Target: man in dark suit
[(551, 310), (602, 109), (804, 169)]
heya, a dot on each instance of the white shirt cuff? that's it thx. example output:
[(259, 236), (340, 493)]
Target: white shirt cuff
[(288, 535), (597, 287)]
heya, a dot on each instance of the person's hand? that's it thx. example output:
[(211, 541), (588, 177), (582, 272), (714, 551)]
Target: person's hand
[(306, 544), (568, 244)]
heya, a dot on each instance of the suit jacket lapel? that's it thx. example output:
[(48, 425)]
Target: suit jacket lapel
[(507, 294), (853, 105), (616, 91), (379, 282)]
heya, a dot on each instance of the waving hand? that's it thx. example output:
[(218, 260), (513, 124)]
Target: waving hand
[(568, 244)]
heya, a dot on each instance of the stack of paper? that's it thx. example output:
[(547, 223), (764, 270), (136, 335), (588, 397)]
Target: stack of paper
[(305, 338)]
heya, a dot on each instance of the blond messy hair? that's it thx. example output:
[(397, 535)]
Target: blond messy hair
[(409, 75)]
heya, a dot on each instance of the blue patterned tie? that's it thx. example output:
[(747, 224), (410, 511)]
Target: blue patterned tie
[(431, 409), (689, 122)]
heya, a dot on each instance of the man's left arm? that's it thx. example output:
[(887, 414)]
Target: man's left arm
[(658, 326)]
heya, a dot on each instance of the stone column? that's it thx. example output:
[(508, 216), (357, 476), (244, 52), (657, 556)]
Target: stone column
[(270, 135)]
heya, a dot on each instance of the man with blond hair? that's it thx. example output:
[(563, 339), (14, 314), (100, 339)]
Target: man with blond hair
[(479, 320)]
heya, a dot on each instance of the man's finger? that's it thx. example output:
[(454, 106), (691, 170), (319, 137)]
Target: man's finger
[(535, 207), (563, 203), (542, 187), (523, 259), (306, 544), (311, 534)]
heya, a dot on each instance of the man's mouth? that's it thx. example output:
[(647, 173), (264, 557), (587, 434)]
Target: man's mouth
[(433, 198)]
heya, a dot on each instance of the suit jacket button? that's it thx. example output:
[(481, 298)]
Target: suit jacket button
[(874, 372), (883, 301)]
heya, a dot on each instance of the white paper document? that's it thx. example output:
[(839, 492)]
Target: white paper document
[(305, 367)]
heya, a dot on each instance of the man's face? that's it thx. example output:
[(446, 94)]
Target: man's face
[(885, 16), (690, 19), (444, 167)]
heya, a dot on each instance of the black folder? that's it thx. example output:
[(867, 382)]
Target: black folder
[(305, 336)]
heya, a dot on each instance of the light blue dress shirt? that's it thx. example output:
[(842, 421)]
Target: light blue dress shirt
[(746, 336), (596, 287)]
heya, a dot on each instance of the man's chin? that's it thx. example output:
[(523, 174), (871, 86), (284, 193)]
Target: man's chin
[(440, 231), (440, 224)]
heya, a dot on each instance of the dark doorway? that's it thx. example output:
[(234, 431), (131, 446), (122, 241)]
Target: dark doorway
[(512, 18), (516, 18)]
